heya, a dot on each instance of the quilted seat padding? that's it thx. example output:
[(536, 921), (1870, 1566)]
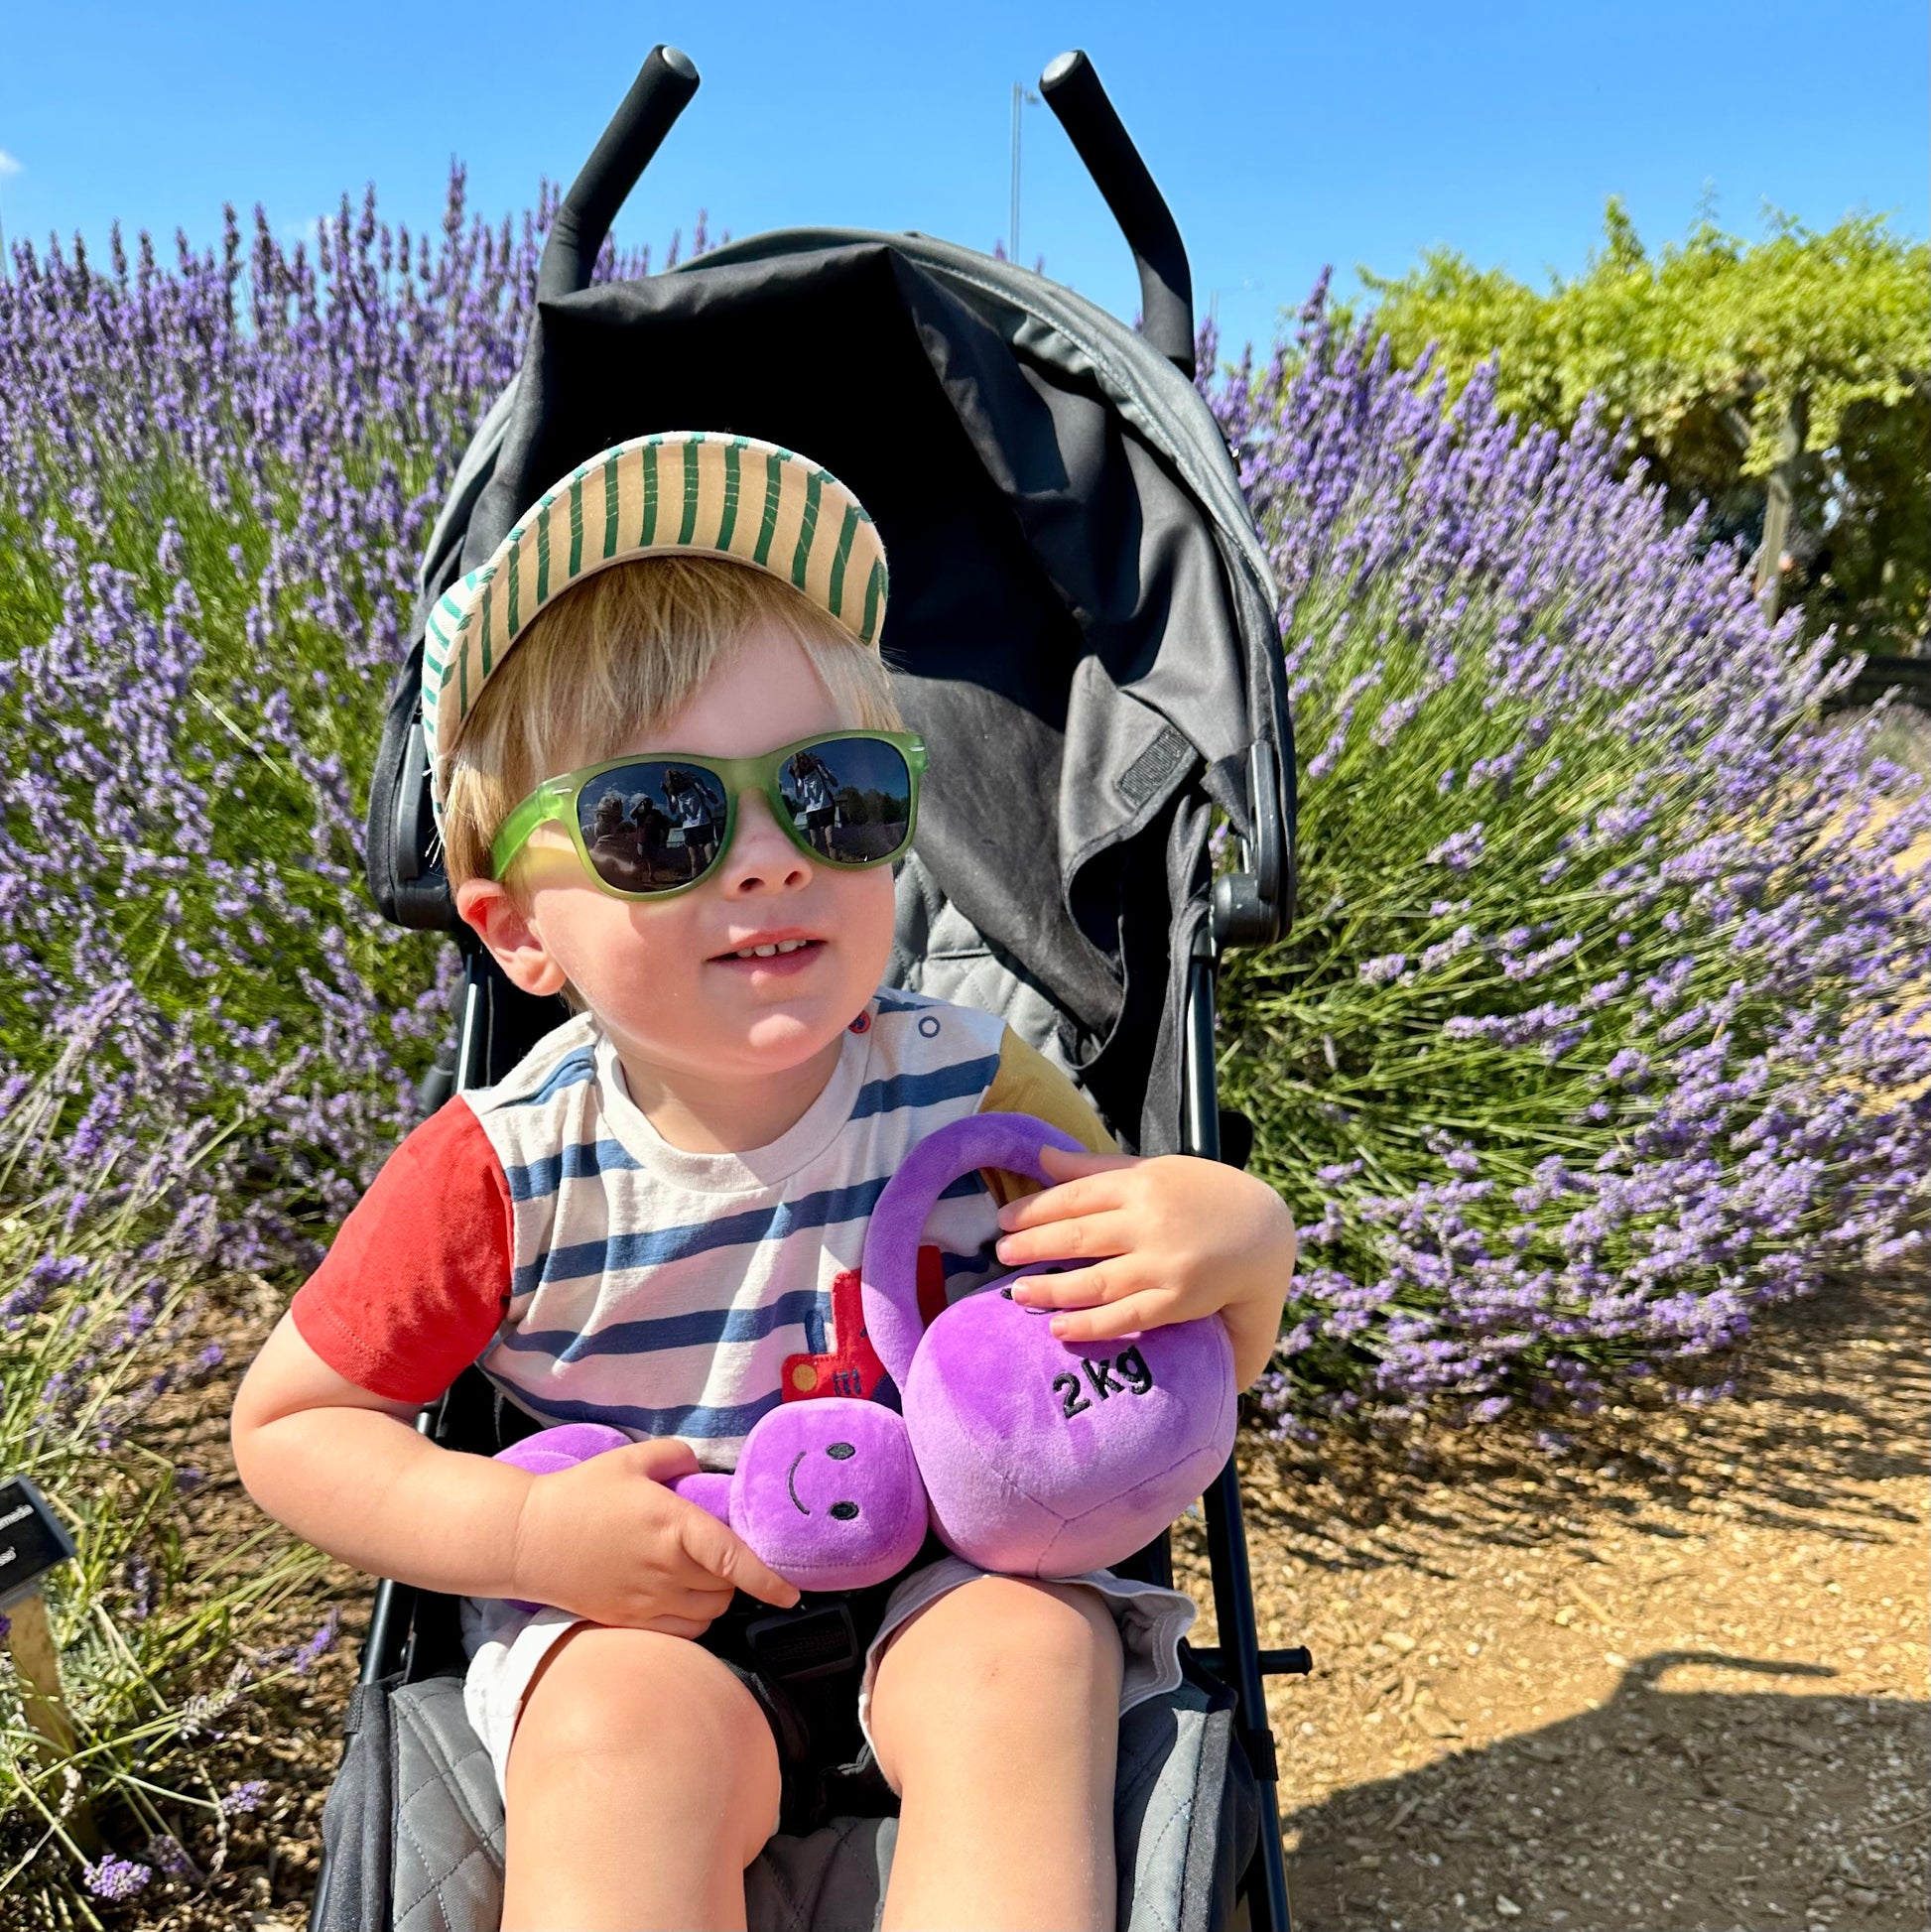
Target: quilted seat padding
[(416, 1794)]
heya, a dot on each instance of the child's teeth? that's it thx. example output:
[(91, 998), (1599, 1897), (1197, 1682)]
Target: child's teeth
[(765, 952)]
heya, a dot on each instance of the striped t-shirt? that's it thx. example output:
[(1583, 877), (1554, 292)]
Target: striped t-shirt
[(544, 1229)]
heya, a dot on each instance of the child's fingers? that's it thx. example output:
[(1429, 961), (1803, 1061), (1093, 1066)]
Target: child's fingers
[(673, 1610), (720, 1553), (700, 1606), (663, 1459), (1109, 1321), (1071, 1239), (1079, 1160), (677, 1626), (1079, 1193), (1076, 1288)]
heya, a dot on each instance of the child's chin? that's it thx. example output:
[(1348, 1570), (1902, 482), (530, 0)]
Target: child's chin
[(778, 1037)]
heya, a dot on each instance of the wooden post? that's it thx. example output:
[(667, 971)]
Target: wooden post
[(29, 1638), (1768, 584)]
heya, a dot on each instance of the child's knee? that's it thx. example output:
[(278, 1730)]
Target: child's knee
[(636, 1708), (1009, 1646), (1067, 1631)]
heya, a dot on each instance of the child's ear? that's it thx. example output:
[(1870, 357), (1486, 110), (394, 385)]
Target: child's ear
[(513, 941)]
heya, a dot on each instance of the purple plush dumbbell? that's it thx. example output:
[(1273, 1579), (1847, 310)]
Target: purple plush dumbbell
[(1040, 1456)]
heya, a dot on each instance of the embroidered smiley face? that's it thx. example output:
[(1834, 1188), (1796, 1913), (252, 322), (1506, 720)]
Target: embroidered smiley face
[(844, 1509), (828, 1494)]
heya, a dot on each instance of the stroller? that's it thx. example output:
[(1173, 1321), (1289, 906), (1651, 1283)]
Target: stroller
[(1083, 622)]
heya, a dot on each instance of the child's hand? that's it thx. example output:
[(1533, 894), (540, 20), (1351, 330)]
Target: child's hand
[(1170, 1237), (608, 1540)]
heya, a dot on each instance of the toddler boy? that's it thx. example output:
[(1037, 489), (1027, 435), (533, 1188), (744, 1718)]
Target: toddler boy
[(675, 802)]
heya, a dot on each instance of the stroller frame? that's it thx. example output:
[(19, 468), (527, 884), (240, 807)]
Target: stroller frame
[(1252, 905)]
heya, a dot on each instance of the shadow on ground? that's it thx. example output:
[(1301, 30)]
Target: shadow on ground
[(1703, 1794)]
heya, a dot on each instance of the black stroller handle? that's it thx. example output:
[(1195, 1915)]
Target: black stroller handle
[(660, 93), (1072, 91)]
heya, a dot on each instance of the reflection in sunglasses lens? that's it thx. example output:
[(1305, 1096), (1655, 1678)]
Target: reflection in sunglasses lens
[(653, 825), (850, 800)]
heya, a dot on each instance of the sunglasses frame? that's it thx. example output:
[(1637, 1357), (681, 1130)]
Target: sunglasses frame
[(555, 801)]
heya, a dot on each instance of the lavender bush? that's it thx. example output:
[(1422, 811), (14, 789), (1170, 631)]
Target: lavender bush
[(101, 1325), (214, 485), (1604, 1023)]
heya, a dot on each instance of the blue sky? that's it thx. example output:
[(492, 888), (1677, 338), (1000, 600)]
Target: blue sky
[(1284, 136)]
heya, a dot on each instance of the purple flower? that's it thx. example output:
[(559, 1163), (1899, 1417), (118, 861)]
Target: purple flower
[(244, 1797), (1461, 850), (310, 1653), (139, 1581), (170, 1856), (114, 1877)]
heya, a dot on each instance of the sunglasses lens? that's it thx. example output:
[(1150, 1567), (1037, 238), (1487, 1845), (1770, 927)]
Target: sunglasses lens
[(850, 800), (653, 825)]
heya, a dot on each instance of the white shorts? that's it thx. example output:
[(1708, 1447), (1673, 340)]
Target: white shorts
[(507, 1645)]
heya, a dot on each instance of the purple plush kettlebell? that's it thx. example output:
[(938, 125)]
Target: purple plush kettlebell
[(824, 1491), (1040, 1458)]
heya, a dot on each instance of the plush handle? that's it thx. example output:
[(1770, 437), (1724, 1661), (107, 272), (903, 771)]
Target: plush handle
[(1010, 1141), (712, 1492)]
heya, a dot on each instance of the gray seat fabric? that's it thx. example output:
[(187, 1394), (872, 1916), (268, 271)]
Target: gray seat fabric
[(415, 1789), (447, 1861), (936, 949)]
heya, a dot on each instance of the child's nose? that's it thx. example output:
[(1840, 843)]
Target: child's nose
[(762, 855)]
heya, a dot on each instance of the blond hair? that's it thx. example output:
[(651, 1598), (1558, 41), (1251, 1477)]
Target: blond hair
[(616, 656)]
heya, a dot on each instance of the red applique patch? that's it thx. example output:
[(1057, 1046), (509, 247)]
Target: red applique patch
[(862, 1024), (853, 1368)]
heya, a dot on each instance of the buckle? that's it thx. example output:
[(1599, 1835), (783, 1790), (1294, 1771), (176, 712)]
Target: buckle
[(803, 1644)]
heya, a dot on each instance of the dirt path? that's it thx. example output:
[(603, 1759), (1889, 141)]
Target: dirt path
[(1673, 1679)]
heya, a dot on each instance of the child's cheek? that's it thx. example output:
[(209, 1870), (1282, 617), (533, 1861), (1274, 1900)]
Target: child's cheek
[(863, 915)]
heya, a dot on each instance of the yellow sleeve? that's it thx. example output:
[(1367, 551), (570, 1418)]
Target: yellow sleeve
[(1028, 1082)]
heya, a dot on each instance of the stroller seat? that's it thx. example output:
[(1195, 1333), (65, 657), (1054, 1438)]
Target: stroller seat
[(420, 1786), (1082, 628)]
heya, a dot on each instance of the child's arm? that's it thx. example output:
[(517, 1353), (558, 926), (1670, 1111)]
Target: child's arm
[(1171, 1237), (347, 1472)]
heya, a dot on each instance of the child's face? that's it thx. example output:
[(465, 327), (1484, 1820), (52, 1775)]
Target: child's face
[(659, 977)]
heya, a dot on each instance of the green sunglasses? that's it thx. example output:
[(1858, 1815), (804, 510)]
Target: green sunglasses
[(649, 827)]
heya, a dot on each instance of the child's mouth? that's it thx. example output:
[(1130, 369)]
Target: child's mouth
[(790, 957)]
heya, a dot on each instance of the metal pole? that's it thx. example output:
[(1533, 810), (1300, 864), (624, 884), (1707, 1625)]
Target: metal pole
[(1012, 223), (1022, 98), (1239, 1660)]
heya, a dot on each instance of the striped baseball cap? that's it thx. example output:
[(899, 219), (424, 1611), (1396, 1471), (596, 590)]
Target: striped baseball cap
[(685, 492)]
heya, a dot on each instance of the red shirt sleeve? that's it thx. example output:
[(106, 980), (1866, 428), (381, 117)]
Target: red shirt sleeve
[(418, 1277)]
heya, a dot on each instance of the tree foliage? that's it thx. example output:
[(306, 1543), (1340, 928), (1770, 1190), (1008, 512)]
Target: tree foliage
[(1715, 350)]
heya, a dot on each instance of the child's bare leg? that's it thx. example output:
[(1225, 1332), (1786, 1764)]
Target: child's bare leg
[(996, 1717), (642, 1781)]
